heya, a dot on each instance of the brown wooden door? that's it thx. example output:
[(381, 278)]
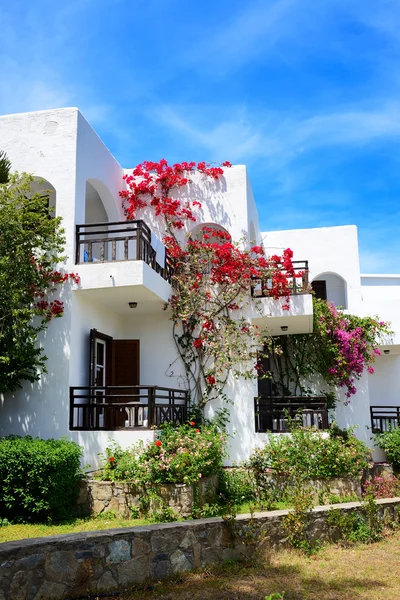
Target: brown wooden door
[(125, 371)]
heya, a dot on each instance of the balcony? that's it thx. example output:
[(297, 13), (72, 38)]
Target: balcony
[(298, 285), (122, 241), (271, 413), (267, 312), (384, 418), (113, 408)]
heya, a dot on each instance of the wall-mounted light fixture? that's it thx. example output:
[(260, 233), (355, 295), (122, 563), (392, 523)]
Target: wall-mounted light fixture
[(284, 328), (386, 351), (132, 304)]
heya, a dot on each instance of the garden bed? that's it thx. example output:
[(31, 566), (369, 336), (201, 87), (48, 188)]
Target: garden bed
[(124, 499)]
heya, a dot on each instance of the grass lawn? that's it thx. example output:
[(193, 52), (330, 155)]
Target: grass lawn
[(24, 530), (365, 572), (21, 531)]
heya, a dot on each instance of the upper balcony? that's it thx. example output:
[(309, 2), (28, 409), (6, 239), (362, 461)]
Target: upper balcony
[(125, 261), (122, 240), (273, 315)]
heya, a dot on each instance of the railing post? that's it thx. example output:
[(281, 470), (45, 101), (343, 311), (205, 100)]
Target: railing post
[(256, 416), (151, 406), (71, 408), (305, 276), (139, 241), (78, 246)]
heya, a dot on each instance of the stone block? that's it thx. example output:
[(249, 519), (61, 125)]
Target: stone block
[(133, 571), (106, 583), (50, 590), (30, 562), (102, 491), (160, 567), (61, 566), (21, 585), (120, 551), (140, 546), (180, 562)]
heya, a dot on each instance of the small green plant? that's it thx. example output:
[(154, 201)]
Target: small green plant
[(135, 512), (207, 510), (295, 523), (390, 443), (164, 515), (4, 522), (365, 526), (237, 486), (275, 596), (251, 534), (107, 516)]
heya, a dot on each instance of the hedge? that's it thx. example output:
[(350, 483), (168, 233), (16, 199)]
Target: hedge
[(38, 478)]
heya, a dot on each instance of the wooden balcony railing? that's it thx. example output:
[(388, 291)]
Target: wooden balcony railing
[(120, 240), (298, 285), (271, 413), (112, 408), (384, 418)]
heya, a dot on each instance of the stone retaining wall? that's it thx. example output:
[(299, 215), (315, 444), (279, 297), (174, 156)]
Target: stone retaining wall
[(97, 497), (341, 487), (75, 565)]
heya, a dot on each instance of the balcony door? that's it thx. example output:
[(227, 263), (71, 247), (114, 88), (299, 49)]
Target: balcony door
[(113, 363)]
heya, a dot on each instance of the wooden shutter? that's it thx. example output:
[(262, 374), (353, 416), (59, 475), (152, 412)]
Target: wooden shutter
[(97, 335), (125, 362)]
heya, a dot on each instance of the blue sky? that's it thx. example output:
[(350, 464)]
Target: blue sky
[(305, 92)]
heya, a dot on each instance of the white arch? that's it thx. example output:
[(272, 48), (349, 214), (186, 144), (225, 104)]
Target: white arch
[(336, 288), (197, 232), (41, 184), (100, 205)]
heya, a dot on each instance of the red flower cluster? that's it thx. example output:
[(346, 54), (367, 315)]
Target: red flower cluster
[(150, 184), (158, 443)]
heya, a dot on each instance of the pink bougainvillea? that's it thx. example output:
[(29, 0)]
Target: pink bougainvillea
[(348, 344)]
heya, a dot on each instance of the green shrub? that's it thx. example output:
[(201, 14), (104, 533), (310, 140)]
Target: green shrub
[(237, 486), (179, 455), (390, 443), (38, 478), (310, 453), (364, 527)]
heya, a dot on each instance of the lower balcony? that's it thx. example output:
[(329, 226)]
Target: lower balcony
[(271, 412), (384, 418), (113, 408)]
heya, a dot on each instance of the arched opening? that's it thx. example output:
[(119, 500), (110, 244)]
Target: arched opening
[(95, 215), (94, 207), (46, 190), (210, 232), (331, 287)]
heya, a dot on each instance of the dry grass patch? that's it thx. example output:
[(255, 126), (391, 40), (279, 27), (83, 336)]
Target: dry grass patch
[(369, 572)]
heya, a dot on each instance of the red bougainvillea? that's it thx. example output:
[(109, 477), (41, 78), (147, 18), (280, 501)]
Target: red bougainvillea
[(212, 279)]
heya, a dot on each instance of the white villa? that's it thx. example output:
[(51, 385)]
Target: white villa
[(114, 331)]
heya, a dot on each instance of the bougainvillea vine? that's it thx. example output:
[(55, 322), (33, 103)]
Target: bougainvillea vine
[(212, 279)]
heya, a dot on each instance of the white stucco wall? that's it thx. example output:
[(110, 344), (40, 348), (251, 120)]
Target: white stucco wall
[(329, 250), (60, 146)]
